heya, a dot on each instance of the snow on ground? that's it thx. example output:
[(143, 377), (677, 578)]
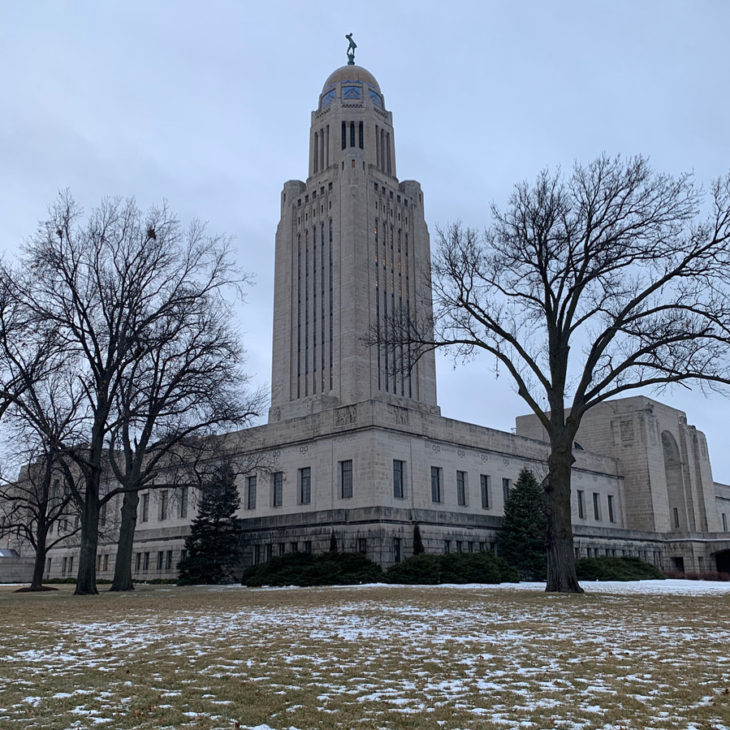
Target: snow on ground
[(490, 656)]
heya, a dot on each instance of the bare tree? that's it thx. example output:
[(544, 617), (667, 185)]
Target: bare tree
[(42, 418), (584, 288), (187, 386), (106, 284)]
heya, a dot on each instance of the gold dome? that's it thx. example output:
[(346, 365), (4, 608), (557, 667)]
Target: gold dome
[(351, 73)]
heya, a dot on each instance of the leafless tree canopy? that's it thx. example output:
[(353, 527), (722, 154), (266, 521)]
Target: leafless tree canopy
[(584, 287), (138, 307)]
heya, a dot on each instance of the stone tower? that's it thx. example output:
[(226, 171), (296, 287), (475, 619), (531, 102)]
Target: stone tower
[(352, 251)]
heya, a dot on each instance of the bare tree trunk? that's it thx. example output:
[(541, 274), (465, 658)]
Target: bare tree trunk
[(86, 578), (561, 575), (123, 565), (39, 564)]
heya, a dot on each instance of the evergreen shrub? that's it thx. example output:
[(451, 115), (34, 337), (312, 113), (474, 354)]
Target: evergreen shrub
[(452, 568), (626, 568), (305, 569)]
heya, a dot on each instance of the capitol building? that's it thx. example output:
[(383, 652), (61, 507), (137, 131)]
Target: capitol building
[(355, 443)]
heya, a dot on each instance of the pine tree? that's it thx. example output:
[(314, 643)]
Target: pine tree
[(417, 541), (521, 541), (213, 545)]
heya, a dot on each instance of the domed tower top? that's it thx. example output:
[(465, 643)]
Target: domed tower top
[(351, 122)]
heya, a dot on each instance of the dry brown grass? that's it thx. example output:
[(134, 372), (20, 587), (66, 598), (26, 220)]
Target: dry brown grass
[(370, 657)]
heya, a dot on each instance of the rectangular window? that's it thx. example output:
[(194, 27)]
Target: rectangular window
[(447, 546), (146, 566), (461, 488), (137, 561), (71, 564), (396, 549), (64, 563), (346, 479), (102, 515), (484, 484), (724, 522), (307, 546), (305, 485), (184, 502), (458, 546), (294, 547), (506, 484), (250, 492), (160, 558), (362, 545), (163, 505), (675, 511), (106, 562), (282, 548), (435, 484), (399, 470), (581, 505), (168, 560), (256, 554), (611, 515), (269, 551), (277, 488), (48, 566), (596, 506), (145, 507)]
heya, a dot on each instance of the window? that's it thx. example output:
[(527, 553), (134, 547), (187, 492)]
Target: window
[(71, 564), (611, 515), (461, 488), (106, 562), (48, 566), (435, 484), (505, 489), (361, 135), (183, 555), (675, 512), (294, 547), (160, 557), (269, 551), (447, 546), (63, 566), (396, 549), (346, 479), (581, 505), (277, 488), (724, 522), (307, 546), (596, 506), (256, 554), (137, 561), (459, 547), (145, 507), (282, 548), (305, 485), (399, 470), (184, 502), (163, 504), (102, 515), (146, 566), (168, 560), (250, 492), (484, 487), (362, 545)]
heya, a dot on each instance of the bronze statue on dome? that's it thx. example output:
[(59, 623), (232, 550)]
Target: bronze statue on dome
[(351, 50)]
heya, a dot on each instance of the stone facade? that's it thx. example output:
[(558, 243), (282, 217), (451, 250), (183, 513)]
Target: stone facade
[(356, 445)]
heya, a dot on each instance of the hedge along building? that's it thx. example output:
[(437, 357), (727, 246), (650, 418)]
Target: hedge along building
[(355, 442)]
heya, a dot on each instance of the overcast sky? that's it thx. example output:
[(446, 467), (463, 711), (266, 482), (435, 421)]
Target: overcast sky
[(207, 105)]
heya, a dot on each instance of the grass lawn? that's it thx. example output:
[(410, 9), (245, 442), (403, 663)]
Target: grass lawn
[(364, 657)]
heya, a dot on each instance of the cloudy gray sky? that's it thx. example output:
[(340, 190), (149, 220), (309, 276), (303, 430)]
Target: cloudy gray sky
[(208, 105)]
